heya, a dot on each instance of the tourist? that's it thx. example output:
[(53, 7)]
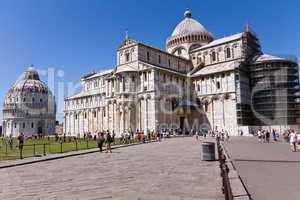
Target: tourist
[(222, 136), (10, 141), (241, 133), (108, 141), (227, 136), (158, 136), (259, 135), (149, 135), (204, 134), (100, 140), (274, 135), (293, 140), (113, 136), (21, 144), (268, 137), (298, 140), (263, 136)]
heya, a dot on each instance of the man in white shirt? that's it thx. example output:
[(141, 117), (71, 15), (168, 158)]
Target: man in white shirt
[(293, 139)]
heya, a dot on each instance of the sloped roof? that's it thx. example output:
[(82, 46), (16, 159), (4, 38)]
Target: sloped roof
[(127, 68), (222, 40), (102, 73), (83, 94), (266, 57), (217, 68)]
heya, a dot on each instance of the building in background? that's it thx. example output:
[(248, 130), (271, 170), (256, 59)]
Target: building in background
[(29, 107), (198, 83)]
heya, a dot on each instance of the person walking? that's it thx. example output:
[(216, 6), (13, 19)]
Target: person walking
[(21, 139), (10, 141), (293, 140), (298, 140), (113, 136), (274, 135), (108, 142), (227, 136), (100, 140), (268, 137)]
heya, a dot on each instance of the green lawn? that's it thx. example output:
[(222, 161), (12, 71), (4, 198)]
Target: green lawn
[(34, 147)]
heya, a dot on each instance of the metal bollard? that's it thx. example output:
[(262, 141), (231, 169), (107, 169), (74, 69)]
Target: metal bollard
[(44, 149), (33, 149)]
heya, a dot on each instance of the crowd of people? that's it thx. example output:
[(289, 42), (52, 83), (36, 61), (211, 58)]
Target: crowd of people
[(288, 136)]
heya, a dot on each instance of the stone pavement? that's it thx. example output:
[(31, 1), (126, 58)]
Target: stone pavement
[(171, 169), (269, 171), (30, 160)]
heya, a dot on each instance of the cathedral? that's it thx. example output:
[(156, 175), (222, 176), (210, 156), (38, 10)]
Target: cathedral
[(197, 83)]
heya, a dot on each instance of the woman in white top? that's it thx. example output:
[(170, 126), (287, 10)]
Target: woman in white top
[(259, 135)]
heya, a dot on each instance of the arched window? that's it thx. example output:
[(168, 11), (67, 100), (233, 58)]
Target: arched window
[(206, 107), (218, 85), (179, 51), (228, 52), (85, 116), (148, 55), (33, 100), (199, 60), (213, 56), (32, 125), (127, 56), (24, 125)]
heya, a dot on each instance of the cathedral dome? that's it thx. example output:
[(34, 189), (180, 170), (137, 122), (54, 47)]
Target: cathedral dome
[(189, 26), (187, 35)]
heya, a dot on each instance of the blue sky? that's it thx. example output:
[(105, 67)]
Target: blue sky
[(78, 36)]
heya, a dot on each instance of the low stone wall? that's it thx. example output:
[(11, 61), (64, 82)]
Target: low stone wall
[(233, 187)]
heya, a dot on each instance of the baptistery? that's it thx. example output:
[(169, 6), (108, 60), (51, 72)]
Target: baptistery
[(29, 107)]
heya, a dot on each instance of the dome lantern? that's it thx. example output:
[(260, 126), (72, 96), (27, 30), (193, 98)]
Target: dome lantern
[(188, 14)]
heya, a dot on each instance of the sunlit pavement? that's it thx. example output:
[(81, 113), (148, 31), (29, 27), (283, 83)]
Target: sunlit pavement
[(269, 171), (171, 169)]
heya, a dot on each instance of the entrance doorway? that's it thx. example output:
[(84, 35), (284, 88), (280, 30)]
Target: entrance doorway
[(40, 130), (182, 119)]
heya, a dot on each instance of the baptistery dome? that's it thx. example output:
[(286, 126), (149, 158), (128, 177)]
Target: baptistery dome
[(187, 35), (30, 82), (29, 106)]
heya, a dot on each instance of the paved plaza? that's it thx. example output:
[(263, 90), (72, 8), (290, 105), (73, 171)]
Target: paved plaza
[(269, 171), (171, 169)]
